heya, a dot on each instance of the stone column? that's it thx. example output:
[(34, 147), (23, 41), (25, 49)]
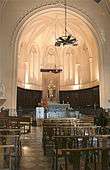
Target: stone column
[(77, 78), (91, 70)]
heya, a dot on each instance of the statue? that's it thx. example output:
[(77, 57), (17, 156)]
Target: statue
[(2, 93), (51, 91), (2, 90)]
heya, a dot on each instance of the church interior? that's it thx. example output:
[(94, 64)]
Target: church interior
[(55, 84)]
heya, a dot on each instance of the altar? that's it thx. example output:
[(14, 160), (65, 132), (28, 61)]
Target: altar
[(50, 94), (58, 110)]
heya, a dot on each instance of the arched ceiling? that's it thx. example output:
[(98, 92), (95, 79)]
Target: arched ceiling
[(37, 49), (108, 5)]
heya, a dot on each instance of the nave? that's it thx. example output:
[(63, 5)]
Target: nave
[(21, 145), (55, 85), (57, 144), (32, 152)]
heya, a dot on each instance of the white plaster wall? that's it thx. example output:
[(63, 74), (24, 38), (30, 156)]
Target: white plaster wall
[(12, 12)]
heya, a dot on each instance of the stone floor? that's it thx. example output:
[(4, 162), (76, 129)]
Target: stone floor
[(32, 152), (33, 157)]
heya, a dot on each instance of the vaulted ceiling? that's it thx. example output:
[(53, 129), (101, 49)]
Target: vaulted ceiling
[(37, 49)]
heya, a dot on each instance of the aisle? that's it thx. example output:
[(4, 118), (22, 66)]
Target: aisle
[(32, 152)]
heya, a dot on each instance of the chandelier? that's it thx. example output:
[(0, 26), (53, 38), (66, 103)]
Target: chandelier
[(66, 39)]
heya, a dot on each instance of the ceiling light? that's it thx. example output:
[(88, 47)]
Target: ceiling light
[(67, 39)]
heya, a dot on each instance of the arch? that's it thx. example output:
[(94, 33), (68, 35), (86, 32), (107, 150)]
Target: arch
[(38, 11)]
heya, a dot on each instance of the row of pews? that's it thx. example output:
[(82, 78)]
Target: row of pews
[(76, 144), (11, 129), (14, 122)]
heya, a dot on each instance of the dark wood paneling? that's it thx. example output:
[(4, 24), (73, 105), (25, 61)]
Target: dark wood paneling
[(79, 98), (28, 98)]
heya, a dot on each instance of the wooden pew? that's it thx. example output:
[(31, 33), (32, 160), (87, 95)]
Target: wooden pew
[(75, 154), (92, 158), (16, 122), (65, 127), (11, 136), (8, 151), (25, 124)]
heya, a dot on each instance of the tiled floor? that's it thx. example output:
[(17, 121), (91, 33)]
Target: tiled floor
[(32, 152)]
